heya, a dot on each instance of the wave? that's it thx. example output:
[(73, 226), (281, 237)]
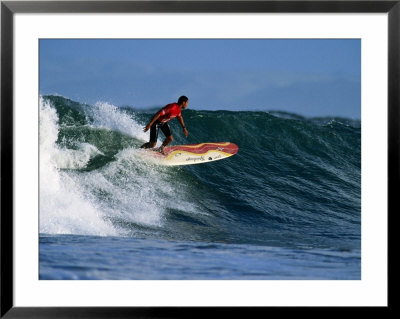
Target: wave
[(295, 180)]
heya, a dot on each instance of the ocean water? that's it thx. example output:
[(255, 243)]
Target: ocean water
[(286, 206)]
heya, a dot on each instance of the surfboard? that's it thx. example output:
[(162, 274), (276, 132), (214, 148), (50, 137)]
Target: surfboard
[(195, 153)]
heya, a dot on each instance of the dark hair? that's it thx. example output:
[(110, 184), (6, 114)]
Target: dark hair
[(182, 99)]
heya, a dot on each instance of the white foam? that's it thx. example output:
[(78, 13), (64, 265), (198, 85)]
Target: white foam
[(106, 115), (63, 206), (74, 159)]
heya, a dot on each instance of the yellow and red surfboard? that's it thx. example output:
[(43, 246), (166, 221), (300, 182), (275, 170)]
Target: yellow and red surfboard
[(196, 153)]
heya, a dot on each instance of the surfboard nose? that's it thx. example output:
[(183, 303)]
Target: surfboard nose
[(230, 148)]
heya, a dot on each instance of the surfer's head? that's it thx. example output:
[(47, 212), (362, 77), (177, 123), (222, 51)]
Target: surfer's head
[(183, 102)]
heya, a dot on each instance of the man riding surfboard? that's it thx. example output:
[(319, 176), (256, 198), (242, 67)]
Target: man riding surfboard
[(160, 121)]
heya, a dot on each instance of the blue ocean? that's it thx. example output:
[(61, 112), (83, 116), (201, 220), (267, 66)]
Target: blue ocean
[(286, 206)]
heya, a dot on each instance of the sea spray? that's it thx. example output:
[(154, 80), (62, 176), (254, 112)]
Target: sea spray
[(106, 115)]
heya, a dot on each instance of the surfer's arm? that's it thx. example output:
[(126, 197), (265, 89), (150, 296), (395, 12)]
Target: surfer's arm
[(155, 118), (180, 119)]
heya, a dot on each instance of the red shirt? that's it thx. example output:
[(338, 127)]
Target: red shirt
[(169, 112)]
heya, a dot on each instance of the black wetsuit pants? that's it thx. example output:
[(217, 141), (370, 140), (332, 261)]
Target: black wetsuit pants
[(154, 131)]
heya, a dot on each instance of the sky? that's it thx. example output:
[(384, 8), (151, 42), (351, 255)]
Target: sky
[(309, 77)]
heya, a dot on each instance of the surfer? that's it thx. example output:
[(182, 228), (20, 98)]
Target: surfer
[(160, 121)]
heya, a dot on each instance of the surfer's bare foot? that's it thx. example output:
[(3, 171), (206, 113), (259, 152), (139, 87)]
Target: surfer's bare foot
[(161, 150)]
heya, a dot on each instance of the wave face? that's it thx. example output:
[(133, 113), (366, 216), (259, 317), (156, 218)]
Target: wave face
[(295, 182)]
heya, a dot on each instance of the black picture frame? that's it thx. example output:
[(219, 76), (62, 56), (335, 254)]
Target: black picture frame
[(9, 8)]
